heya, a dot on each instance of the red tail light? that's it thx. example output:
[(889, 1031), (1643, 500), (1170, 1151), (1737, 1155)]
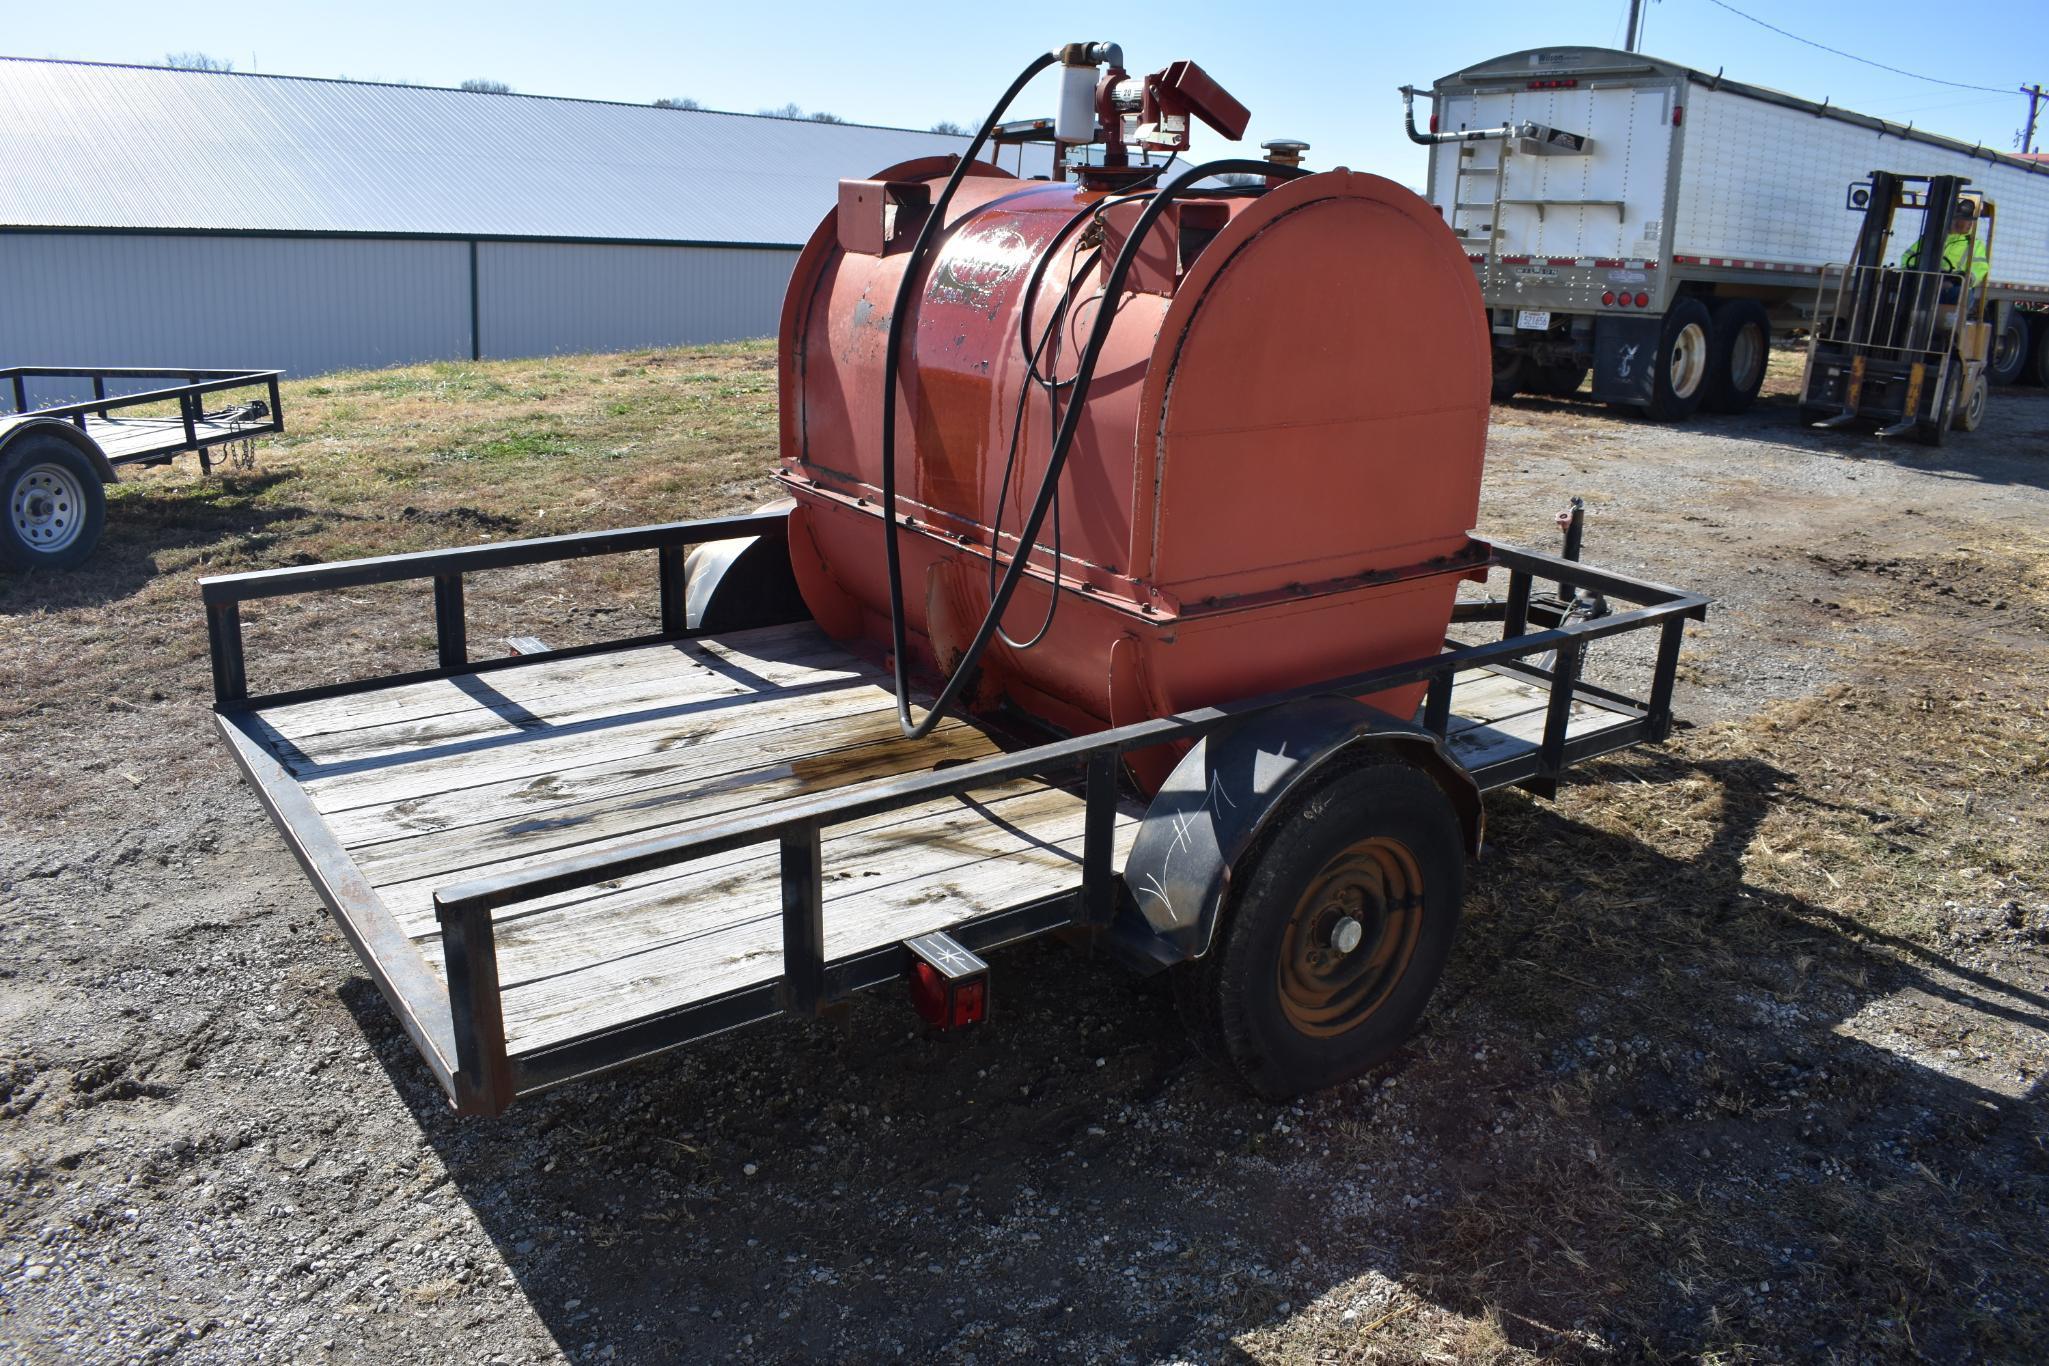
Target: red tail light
[(948, 1003), (1678, 114), (1643, 301), (1433, 123), (1608, 296)]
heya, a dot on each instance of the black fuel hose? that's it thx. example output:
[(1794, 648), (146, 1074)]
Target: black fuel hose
[(906, 291), (1063, 440)]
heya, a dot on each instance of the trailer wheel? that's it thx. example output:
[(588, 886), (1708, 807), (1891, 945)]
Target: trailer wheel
[(53, 502), (1330, 951), (1561, 380), (2038, 366), (2009, 358), (1739, 350), (1679, 372), (1511, 373)]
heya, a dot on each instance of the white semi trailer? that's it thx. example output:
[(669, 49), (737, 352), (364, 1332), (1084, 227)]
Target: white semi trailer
[(1655, 225)]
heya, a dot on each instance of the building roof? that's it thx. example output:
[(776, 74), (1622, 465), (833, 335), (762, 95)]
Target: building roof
[(103, 146)]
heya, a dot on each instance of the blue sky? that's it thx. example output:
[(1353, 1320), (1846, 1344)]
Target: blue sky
[(1326, 72)]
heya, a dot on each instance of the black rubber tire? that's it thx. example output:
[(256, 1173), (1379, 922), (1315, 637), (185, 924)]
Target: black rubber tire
[(25, 454), (1561, 380), (1967, 412), (2009, 358), (1231, 998), (2038, 360), (1736, 321), (1668, 404), (1511, 373)]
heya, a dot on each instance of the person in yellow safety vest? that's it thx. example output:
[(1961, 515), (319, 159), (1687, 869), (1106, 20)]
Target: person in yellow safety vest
[(1956, 249)]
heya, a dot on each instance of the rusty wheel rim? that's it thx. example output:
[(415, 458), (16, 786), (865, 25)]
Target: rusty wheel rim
[(1350, 937)]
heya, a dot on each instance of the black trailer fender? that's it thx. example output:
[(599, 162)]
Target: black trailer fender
[(738, 584), (87, 447), (1225, 794)]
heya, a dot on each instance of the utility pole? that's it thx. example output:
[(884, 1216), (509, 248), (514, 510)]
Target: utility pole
[(2036, 98), (1636, 32)]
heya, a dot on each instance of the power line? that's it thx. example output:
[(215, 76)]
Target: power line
[(1897, 71)]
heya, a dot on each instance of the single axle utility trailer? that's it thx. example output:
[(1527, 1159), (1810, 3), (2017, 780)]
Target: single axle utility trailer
[(557, 863), (55, 458), (1658, 224)]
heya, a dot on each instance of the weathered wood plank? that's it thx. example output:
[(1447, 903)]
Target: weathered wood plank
[(1489, 743), (756, 771), (411, 903), (989, 866), (547, 691), (600, 740), (542, 798), (501, 711), (1479, 698), (929, 841)]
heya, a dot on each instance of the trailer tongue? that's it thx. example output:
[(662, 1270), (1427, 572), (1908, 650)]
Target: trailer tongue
[(1232, 740)]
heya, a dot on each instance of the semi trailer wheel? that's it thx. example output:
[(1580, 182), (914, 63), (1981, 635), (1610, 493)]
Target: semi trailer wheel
[(1739, 349), (2038, 360), (1679, 371), (1562, 380), (1335, 938), (1511, 373), (54, 504), (2009, 358)]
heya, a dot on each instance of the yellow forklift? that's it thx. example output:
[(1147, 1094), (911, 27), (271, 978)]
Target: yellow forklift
[(1905, 346)]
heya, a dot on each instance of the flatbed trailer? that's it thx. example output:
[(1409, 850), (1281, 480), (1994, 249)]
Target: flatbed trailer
[(558, 863), (55, 457)]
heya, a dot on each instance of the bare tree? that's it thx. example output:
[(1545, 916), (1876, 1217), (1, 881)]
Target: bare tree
[(822, 117), (477, 86), (196, 61), (677, 102), (950, 128), (1240, 178), (788, 111)]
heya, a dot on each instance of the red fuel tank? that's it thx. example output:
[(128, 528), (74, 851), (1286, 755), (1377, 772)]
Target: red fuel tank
[(1273, 478)]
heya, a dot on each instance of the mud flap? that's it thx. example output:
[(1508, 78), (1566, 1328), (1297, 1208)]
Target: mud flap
[(1625, 354)]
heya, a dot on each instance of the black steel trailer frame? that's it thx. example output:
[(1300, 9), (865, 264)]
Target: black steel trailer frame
[(462, 1033), (182, 434)]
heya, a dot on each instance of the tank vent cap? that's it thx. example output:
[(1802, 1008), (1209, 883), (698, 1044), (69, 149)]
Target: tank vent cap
[(1284, 151)]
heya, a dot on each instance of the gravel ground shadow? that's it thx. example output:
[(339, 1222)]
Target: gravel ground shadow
[(1611, 1134)]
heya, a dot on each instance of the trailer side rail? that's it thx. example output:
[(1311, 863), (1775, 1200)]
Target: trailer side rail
[(486, 1077), (182, 432)]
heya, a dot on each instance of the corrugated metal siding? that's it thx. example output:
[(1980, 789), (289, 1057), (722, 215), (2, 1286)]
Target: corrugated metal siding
[(546, 298), (142, 147), (300, 305)]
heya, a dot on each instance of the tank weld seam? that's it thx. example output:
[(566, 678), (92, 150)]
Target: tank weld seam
[(1303, 424)]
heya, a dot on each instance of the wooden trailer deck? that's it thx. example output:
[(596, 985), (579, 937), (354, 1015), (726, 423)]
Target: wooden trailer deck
[(413, 787), (138, 438)]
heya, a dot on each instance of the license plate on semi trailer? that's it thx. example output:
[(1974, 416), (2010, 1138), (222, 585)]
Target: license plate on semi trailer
[(1535, 319)]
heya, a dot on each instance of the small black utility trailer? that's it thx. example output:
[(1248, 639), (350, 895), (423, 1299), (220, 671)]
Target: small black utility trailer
[(55, 458), (556, 863)]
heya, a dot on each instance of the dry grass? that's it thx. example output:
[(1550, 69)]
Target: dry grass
[(376, 463)]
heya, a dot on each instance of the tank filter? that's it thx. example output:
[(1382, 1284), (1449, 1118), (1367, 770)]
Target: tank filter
[(1076, 120)]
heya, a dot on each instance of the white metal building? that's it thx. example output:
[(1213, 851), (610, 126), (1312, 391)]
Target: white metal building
[(182, 218)]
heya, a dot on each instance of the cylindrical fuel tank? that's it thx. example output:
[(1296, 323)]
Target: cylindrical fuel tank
[(1273, 478)]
